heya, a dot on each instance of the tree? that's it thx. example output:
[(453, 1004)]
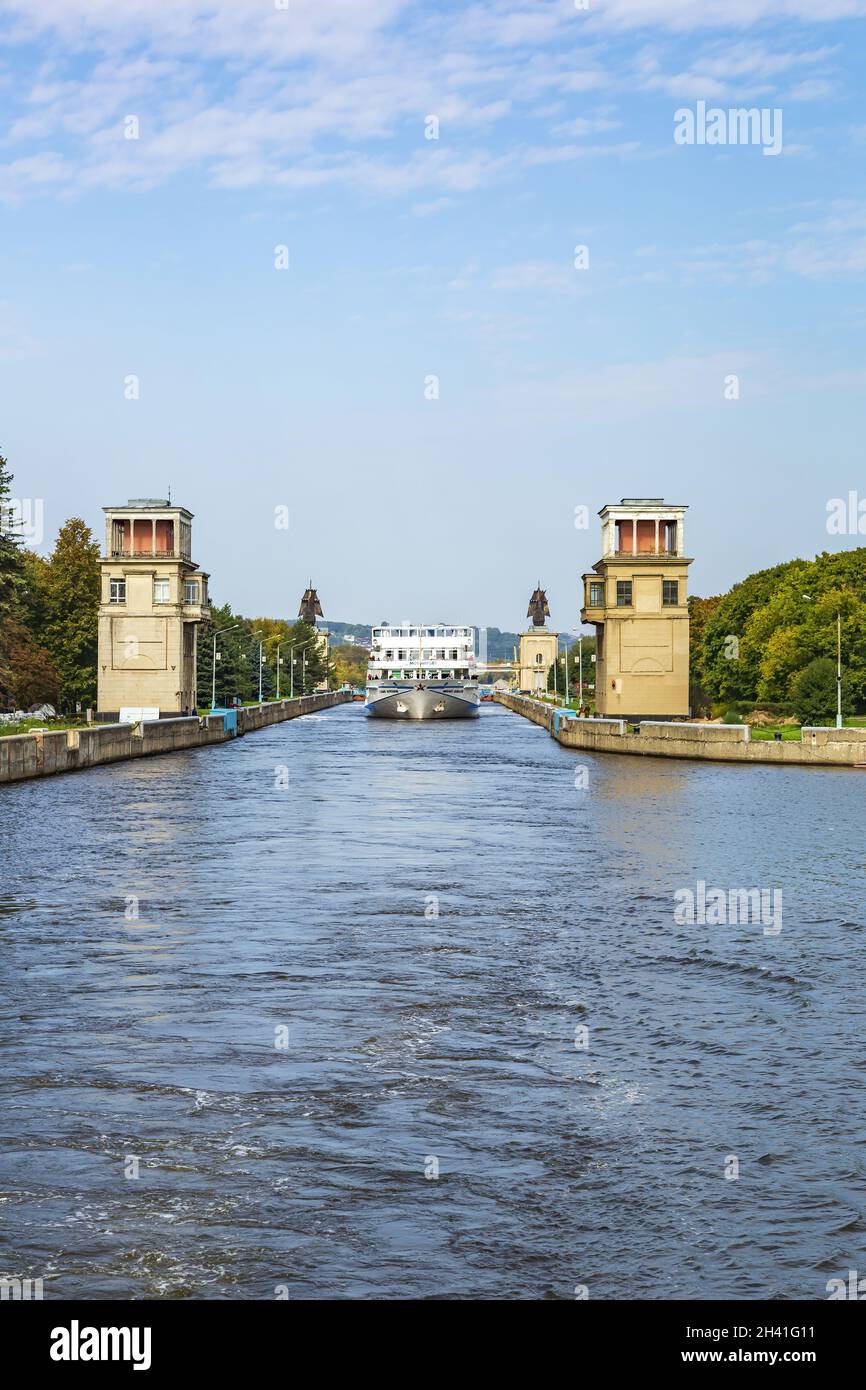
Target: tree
[(770, 627), (350, 664), (557, 670), (814, 693), (27, 674), (72, 612), (10, 547), (234, 670)]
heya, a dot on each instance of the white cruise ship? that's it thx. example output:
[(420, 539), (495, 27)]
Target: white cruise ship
[(422, 673)]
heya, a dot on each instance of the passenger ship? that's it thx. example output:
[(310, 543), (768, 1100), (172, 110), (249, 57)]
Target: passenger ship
[(422, 673)]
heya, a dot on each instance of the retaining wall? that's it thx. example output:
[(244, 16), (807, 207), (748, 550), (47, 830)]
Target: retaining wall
[(715, 742), (68, 750)]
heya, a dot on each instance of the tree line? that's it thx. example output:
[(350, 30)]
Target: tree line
[(772, 640)]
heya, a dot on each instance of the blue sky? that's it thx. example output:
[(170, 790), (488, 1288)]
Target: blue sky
[(409, 258)]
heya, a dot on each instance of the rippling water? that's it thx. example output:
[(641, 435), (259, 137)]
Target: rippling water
[(414, 1037)]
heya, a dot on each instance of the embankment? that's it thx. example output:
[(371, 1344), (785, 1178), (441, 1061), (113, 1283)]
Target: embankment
[(69, 750), (728, 743)]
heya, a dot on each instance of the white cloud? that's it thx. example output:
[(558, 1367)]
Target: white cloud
[(724, 14), (337, 91)]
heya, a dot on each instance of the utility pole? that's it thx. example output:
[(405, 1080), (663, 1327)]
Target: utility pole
[(838, 670)]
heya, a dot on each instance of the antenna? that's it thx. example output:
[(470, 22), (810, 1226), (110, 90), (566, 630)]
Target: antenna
[(169, 494)]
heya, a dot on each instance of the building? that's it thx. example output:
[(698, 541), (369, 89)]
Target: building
[(636, 597), (538, 651), (153, 598), (538, 647)]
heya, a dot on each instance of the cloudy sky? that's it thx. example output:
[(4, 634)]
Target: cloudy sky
[(432, 385)]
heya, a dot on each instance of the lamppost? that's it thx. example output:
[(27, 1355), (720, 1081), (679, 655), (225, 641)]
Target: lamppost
[(279, 664), (838, 663), (258, 635), (217, 634), (292, 659)]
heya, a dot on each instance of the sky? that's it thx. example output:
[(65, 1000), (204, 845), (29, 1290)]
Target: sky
[(324, 256)]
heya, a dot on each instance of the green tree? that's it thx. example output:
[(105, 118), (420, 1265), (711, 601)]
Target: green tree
[(234, 669), (771, 626), (71, 611), (10, 547), (814, 693), (557, 670), (350, 664)]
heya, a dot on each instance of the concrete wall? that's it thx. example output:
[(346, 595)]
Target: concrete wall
[(39, 755), (715, 742)]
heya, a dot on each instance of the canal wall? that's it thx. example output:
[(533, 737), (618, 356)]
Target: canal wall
[(728, 743), (70, 750)]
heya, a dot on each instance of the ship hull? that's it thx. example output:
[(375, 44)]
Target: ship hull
[(423, 700)]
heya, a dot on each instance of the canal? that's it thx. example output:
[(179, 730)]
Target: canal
[(256, 997)]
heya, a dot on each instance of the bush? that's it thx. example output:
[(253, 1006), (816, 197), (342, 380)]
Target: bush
[(814, 693)]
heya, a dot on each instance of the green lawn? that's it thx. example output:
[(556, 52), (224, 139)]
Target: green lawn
[(24, 726)]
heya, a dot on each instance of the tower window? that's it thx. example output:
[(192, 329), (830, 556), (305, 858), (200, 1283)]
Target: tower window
[(160, 591), (117, 589), (670, 593), (623, 593), (596, 595)]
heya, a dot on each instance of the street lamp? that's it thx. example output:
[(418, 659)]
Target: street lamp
[(838, 664), (279, 660), (258, 635), (218, 633), (299, 645)]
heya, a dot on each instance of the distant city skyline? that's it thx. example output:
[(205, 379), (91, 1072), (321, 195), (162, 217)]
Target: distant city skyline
[(385, 294)]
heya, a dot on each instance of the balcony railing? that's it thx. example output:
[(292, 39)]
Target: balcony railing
[(126, 552), (653, 553)]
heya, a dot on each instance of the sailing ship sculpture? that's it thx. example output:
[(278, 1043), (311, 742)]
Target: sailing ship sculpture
[(310, 608), (538, 609)]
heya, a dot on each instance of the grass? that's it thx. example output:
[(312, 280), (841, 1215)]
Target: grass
[(792, 731), (26, 726)]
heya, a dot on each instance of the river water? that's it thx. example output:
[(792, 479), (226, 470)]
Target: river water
[(363, 954)]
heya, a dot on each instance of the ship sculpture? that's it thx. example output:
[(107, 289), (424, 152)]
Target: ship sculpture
[(538, 609), (310, 608)]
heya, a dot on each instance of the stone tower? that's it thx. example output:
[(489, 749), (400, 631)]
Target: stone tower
[(538, 647), (636, 597), (153, 598)]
